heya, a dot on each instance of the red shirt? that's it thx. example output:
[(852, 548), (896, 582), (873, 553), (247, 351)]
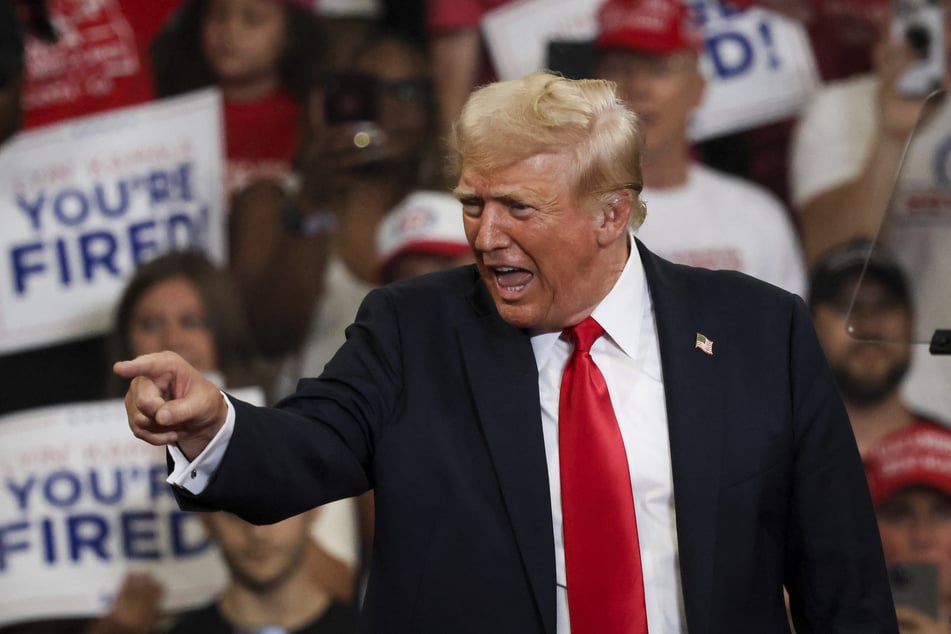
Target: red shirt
[(261, 138), (99, 62)]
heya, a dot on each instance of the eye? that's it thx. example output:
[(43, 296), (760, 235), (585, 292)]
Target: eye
[(193, 321), (472, 207), (149, 324)]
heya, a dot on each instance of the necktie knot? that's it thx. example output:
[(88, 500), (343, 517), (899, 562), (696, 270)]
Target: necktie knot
[(584, 334)]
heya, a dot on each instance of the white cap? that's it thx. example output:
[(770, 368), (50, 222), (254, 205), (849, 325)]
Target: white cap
[(423, 222)]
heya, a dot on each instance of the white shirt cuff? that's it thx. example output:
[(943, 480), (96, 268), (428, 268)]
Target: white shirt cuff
[(194, 476)]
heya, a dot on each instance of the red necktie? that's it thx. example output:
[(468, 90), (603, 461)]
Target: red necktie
[(602, 557)]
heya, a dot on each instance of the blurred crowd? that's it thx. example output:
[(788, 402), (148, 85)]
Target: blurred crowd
[(333, 114)]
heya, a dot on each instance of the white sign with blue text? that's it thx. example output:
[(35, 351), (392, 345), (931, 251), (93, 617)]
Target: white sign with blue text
[(83, 203), (82, 501), (759, 65)]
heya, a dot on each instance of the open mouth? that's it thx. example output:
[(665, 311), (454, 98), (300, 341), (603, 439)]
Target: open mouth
[(511, 279)]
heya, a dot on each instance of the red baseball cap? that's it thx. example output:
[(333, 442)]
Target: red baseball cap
[(919, 454), (653, 26)]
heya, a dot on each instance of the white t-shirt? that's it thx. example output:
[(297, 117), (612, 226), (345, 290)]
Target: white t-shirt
[(719, 221)]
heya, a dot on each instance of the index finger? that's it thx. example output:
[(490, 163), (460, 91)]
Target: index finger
[(151, 365)]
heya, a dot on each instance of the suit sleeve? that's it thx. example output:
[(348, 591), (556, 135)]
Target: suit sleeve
[(835, 570), (317, 445)]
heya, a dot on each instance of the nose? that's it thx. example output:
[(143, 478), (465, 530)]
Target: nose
[(175, 338), (491, 232), (923, 530)]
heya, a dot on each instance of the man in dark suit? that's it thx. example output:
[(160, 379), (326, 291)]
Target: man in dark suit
[(449, 398)]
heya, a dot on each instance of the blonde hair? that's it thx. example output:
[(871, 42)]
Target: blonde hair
[(507, 122)]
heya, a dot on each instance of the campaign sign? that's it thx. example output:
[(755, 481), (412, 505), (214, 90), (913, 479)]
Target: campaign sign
[(83, 203), (82, 501), (759, 64)]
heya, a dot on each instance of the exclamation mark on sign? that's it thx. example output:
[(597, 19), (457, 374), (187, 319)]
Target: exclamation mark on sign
[(767, 34)]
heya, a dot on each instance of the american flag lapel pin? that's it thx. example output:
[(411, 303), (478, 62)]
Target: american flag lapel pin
[(704, 344)]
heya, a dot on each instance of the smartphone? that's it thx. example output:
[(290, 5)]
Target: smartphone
[(921, 24), (915, 585), (350, 97)]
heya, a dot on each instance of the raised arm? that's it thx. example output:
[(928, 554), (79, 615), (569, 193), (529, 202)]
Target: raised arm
[(169, 401)]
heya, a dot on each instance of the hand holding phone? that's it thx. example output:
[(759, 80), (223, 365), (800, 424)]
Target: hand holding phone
[(915, 585), (921, 24)]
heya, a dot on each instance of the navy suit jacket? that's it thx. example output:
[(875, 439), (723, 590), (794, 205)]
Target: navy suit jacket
[(433, 402)]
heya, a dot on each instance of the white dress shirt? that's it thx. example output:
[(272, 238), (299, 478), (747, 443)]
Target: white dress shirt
[(629, 358)]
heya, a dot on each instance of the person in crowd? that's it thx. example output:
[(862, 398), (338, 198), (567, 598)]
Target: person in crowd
[(269, 586), (305, 258), (909, 475), (184, 302), (459, 401), (848, 146), (181, 301), (264, 56), (864, 322), (423, 234), (698, 216)]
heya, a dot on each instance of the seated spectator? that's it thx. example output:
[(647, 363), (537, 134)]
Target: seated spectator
[(865, 332), (264, 56), (423, 234), (909, 476), (269, 588), (696, 215)]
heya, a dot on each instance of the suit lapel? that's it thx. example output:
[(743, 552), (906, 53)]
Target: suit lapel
[(504, 378), (694, 416)]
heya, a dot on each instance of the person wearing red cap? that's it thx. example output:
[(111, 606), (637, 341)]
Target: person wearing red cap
[(696, 215), (909, 476)]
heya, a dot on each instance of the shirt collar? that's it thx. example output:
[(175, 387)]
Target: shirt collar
[(618, 313)]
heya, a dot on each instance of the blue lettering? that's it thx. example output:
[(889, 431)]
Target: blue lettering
[(158, 486), (93, 539), (9, 546), (80, 209), (49, 543), (181, 232), (158, 187), (117, 487), (105, 258), (32, 209), (72, 488), (21, 268), (120, 208), (180, 546), (21, 492), (731, 54), (182, 179), (65, 276), (132, 537), (143, 246)]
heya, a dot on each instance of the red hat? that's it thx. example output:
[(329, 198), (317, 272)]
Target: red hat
[(652, 26), (919, 454)]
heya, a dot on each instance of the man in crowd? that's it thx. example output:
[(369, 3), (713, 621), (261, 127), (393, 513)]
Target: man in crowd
[(270, 587), (699, 216), (517, 488), (864, 323)]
